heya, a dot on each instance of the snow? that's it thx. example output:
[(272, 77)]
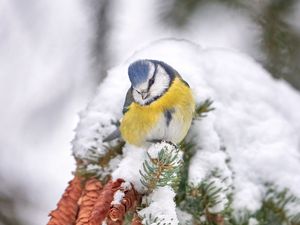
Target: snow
[(154, 150), (209, 162), (256, 120), (134, 157), (184, 217), (252, 221), (103, 172), (130, 166), (202, 165), (118, 196), (88, 134), (221, 199), (126, 186), (209, 159), (161, 206), (157, 147)]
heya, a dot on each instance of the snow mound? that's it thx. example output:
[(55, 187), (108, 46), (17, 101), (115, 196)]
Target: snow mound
[(162, 207), (129, 168), (256, 121)]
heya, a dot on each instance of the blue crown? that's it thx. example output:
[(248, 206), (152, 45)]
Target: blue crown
[(138, 72)]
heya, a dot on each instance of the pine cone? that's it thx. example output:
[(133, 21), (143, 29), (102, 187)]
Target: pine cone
[(102, 205), (216, 218), (117, 212), (110, 222), (87, 201), (219, 219), (136, 220), (67, 207), (129, 202)]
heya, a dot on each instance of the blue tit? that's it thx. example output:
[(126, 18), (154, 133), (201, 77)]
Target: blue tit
[(159, 105)]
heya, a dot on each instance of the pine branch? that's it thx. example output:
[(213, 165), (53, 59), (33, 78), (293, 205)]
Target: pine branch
[(152, 220), (201, 198), (163, 169), (112, 152), (202, 109), (96, 165), (188, 149), (275, 209)]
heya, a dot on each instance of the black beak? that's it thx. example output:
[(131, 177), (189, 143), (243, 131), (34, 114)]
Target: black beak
[(144, 95)]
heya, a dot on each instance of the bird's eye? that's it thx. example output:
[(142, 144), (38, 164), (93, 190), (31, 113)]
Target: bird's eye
[(151, 81), (137, 91)]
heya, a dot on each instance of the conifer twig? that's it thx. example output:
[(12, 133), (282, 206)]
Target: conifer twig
[(161, 170), (204, 108), (67, 207)]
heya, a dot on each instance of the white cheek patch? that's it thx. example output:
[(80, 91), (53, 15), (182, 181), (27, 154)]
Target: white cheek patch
[(151, 71), (162, 82)]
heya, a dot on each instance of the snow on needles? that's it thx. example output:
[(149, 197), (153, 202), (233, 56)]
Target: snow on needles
[(134, 157), (161, 207), (154, 150), (255, 124)]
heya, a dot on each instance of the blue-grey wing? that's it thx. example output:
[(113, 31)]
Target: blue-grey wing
[(128, 100), (116, 133), (180, 77)]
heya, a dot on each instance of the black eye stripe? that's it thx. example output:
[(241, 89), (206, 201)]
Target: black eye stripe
[(151, 81)]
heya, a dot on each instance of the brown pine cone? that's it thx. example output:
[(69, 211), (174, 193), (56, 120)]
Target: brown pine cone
[(136, 220), (216, 218), (67, 207), (128, 202), (102, 205), (110, 222), (87, 201)]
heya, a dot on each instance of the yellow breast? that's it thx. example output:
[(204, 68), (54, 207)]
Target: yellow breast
[(140, 120)]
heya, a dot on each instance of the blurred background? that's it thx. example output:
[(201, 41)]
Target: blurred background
[(53, 55)]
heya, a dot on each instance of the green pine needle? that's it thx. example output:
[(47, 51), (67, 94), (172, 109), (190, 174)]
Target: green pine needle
[(161, 171), (200, 198), (204, 108), (153, 220)]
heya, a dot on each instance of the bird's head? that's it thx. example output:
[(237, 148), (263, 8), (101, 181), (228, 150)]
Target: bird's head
[(149, 79)]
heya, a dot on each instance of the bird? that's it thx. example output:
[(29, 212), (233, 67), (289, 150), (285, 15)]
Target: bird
[(159, 105)]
